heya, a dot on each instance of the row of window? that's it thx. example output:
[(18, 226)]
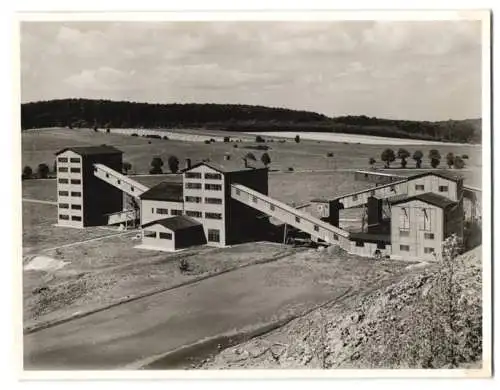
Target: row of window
[(406, 248), (421, 187), (66, 181), (65, 159), (197, 199), (72, 170), (73, 217), (66, 193), (213, 235), (73, 206), (406, 233), (163, 211), (424, 219), (199, 214), (197, 175), (380, 245), (197, 186)]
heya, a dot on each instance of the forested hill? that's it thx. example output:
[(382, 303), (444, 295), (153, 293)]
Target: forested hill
[(234, 117)]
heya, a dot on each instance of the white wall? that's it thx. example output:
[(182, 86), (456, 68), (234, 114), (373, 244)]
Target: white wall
[(149, 209), (157, 242), (70, 200)]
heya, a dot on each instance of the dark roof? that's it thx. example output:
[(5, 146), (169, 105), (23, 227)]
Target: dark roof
[(368, 237), (167, 191), (175, 223), (428, 197), (233, 165), (441, 173), (92, 150)]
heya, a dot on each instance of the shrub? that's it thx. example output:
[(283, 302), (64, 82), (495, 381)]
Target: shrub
[(290, 169), (43, 171), (235, 145), (388, 156), (372, 161), (184, 265), (265, 159), (173, 164), (107, 130), (297, 138), (450, 159), (165, 137), (458, 162), (227, 139), (250, 156), (212, 140), (259, 139), (418, 156), (473, 235), (134, 135), (403, 154), (329, 154), (27, 173), (435, 158), (465, 156), (207, 141), (156, 166)]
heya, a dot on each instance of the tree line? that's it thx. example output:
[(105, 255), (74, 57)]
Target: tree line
[(87, 113), (388, 156)]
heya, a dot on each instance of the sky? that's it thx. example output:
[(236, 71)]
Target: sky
[(420, 70)]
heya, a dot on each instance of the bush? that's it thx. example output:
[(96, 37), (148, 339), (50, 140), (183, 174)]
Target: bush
[(465, 156), (134, 135), (458, 163), (227, 139), (184, 265), (43, 171), (235, 145), (165, 137), (27, 173), (107, 130), (173, 164), (259, 139), (156, 166), (473, 235), (329, 154), (297, 138), (207, 141), (290, 169), (257, 147), (212, 140), (387, 157), (265, 159), (155, 136)]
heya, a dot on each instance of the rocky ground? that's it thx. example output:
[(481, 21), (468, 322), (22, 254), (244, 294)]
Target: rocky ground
[(390, 327)]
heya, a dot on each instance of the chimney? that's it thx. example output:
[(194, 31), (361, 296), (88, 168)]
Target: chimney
[(188, 163)]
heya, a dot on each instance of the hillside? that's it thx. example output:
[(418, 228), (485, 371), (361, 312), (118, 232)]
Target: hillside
[(402, 326), (232, 117)]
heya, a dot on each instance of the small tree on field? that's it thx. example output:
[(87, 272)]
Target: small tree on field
[(297, 138), (388, 156), (126, 167), (27, 172), (418, 156), (266, 159), (156, 166), (450, 159), (459, 163), (43, 171), (403, 154), (173, 164), (435, 158), (372, 161), (250, 156), (259, 139)]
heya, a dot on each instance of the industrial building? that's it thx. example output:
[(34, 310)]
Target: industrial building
[(221, 204)]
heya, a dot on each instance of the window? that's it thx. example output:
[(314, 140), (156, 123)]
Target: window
[(213, 187), (74, 159), (118, 182), (404, 233), (176, 212), (238, 192), (443, 188), (404, 248), (336, 237), (131, 189), (425, 216), (355, 197), (165, 236), (213, 235), (149, 234), (271, 207), (213, 215), (107, 174), (316, 228), (297, 219), (76, 193), (161, 211), (429, 236), (63, 205), (213, 200), (193, 186), (76, 207), (393, 189), (76, 181), (193, 199), (428, 250), (77, 170), (380, 245), (62, 159), (360, 243), (193, 175), (63, 181), (63, 193), (404, 219), (254, 199), (63, 169), (63, 216), (213, 176), (76, 218), (196, 214), (419, 187)]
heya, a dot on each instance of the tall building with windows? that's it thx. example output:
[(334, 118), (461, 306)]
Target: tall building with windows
[(77, 207)]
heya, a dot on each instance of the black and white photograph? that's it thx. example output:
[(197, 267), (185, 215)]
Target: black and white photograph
[(256, 192)]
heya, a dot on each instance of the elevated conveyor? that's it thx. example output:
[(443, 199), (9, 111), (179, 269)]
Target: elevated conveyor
[(116, 179), (289, 215)]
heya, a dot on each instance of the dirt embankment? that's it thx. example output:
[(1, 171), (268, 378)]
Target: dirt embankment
[(403, 325)]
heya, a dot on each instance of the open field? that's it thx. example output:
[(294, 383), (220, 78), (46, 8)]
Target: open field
[(242, 299)]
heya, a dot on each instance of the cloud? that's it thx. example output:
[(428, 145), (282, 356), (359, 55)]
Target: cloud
[(104, 78)]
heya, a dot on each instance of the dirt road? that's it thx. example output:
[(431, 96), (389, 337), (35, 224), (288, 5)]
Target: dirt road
[(245, 298)]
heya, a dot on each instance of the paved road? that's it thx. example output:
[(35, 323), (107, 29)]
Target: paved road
[(132, 332)]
